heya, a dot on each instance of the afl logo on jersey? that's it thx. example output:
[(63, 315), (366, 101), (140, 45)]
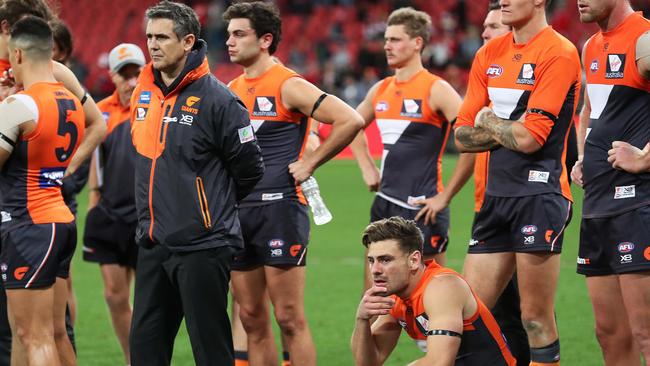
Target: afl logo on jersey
[(529, 229), (494, 71), (625, 247), (594, 66), (145, 97), (381, 106), (615, 66)]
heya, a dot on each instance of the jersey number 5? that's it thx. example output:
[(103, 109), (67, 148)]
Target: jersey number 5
[(66, 128)]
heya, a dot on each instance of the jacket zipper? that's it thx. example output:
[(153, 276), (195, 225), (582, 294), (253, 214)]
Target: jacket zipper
[(153, 169)]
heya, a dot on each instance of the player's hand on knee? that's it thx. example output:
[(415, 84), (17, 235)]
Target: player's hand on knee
[(576, 172), (431, 207), (374, 303)]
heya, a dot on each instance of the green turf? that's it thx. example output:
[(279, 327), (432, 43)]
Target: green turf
[(335, 279)]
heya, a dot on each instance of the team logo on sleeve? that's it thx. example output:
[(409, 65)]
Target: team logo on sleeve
[(526, 74), (246, 134), (412, 108), (265, 107), (615, 66), (140, 113), (145, 97), (494, 71)]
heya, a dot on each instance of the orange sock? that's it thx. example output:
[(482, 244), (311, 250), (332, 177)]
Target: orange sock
[(241, 362)]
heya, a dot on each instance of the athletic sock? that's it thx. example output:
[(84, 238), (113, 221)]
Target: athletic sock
[(286, 358), (241, 358), (546, 356)]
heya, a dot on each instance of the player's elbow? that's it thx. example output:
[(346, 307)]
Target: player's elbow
[(528, 145)]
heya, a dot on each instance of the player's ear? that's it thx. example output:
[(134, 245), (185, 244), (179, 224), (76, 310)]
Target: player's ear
[(265, 41), (188, 42), (5, 27), (415, 259)]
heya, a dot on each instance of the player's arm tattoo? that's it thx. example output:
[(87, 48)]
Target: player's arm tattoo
[(475, 139), (499, 129)]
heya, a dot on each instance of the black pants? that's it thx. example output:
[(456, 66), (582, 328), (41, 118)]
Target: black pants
[(507, 313), (170, 285)]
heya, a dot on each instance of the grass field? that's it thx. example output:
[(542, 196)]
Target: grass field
[(335, 267)]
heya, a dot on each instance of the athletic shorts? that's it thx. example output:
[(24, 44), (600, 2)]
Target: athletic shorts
[(436, 236), (276, 234), (33, 256), (109, 241), (521, 224), (615, 245)]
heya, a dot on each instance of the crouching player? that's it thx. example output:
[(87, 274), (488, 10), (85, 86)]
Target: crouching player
[(429, 302)]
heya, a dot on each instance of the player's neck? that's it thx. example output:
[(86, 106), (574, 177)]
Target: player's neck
[(38, 73), (406, 72), (616, 17), (524, 33), (170, 74), (261, 65)]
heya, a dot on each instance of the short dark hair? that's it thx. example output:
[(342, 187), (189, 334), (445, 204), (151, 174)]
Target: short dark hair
[(264, 18), (494, 5), (416, 23), (62, 37), (185, 19), (34, 36), (13, 10), (405, 232)]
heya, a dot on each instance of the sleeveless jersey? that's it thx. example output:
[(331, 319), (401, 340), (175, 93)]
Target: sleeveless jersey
[(482, 342), (32, 177), (541, 77), (620, 110), (413, 138), (281, 134)]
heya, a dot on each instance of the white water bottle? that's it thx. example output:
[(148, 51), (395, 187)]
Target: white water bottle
[(312, 193)]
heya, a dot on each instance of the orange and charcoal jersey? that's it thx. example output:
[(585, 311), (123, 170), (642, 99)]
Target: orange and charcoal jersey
[(620, 110), (32, 177), (540, 79), (281, 134), (413, 137), (482, 342), (116, 161)]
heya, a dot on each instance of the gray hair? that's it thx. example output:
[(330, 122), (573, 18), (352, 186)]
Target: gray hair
[(185, 19)]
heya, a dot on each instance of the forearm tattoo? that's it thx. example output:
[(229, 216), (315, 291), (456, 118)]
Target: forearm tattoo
[(475, 139), (500, 130)]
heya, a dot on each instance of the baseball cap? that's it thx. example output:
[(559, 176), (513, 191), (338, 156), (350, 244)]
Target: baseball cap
[(124, 54)]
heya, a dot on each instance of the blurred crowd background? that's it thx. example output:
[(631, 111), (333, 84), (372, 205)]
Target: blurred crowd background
[(337, 45)]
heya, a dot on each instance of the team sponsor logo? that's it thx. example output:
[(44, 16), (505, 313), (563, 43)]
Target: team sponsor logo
[(412, 200), (422, 322), (6, 216), (276, 252), (4, 267), (141, 113), (189, 105), (381, 106), (105, 116), (624, 192), (145, 97), (626, 258), (526, 74), (516, 57), (473, 242), (295, 249), (646, 253), (584, 261), (276, 243), (529, 240), (19, 273), (529, 229), (494, 71), (168, 119), (412, 108), (246, 134), (51, 177), (615, 66), (272, 196), (186, 119), (548, 236), (594, 66), (625, 247), (537, 176), (265, 107), (402, 324)]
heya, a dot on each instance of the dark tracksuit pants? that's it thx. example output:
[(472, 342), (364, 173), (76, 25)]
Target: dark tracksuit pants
[(172, 285)]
